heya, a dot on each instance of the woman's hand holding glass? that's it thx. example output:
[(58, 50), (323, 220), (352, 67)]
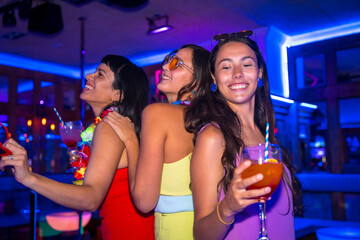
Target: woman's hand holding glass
[(70, 133), (19, 163), (267, 160), (237, 197)]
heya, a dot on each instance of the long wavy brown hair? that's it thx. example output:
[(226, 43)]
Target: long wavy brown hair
[(213, 107)]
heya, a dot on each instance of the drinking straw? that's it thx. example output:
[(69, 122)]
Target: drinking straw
[(62, 122), (267, 142)]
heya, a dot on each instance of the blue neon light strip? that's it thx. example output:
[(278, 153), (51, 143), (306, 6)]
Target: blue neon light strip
[(339, 31), (290, 101), (143, 61), (284, 70), (281, 99), (308, 105), (37, 65)]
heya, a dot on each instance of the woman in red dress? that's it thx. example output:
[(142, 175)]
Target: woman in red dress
[(117, 85)]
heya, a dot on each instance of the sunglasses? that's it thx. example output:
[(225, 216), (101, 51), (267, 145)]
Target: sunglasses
[(224, 36), (175, 62), (3, 150)]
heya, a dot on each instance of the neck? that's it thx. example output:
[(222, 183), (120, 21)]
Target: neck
[(173, 98), (245, 113), (97, 110)]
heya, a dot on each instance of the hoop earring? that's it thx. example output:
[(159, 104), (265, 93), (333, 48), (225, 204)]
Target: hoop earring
[(260, 83), (213, 87)]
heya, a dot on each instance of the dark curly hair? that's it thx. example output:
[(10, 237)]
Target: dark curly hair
[(133, 84), (213, 107)]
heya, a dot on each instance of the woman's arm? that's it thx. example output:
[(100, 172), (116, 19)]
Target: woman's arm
[(145, 168), (106, 152), (146, 184), (206, 172)]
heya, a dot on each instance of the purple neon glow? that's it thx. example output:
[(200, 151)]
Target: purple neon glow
[(157, 78), (159, 29)]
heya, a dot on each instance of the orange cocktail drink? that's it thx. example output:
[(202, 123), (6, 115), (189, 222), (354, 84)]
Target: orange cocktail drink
[(266, 159), (271, 171)]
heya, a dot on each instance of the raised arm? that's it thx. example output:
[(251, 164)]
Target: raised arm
[(107, 149), (206, 173)]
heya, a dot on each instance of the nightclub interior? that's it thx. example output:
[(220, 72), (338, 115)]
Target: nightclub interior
[(312, 52)]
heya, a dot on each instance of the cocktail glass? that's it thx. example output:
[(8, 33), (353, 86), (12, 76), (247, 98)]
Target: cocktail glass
[(271, 168), (70, 133)]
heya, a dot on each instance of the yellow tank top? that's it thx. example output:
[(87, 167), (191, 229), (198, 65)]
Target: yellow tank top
[(174, 216), (175, 180)]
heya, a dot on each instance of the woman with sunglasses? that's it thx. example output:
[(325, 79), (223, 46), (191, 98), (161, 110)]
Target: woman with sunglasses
[(116, 85), (233, 114), (162, 177)]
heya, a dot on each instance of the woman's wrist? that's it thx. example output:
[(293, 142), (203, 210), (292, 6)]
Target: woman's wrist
[(226, 217), (29, 180), (131, 140)]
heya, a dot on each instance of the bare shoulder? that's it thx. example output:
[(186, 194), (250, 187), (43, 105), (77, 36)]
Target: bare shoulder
[(211, 135), (162, 111), (104, 131)]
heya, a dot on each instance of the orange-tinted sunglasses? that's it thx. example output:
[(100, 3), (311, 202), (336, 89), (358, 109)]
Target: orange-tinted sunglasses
[(175, 62), (3, 150)]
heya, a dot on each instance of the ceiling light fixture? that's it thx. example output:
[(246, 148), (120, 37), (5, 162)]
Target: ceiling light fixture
[(162, 25)]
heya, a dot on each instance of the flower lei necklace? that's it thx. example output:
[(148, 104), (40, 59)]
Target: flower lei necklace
[(82, 157)]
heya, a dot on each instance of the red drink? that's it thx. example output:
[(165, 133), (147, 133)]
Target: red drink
[(271, 175), (70, 143), (70, 133)]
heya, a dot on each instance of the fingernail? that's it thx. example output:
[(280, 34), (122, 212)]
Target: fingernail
[(259, 176), (268, 189), (247, 163)]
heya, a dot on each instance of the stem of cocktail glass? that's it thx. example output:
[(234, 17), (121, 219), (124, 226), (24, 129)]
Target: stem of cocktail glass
[(262, 216), (81, 229)]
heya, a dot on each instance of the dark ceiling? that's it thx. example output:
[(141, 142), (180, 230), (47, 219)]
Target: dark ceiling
[(117, 30)]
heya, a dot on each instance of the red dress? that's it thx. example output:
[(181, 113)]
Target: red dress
[(120, 219)]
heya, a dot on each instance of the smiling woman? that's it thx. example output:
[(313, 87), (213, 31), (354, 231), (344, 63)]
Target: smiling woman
[(117, 85), (98, 89), (226, 119), (237, 73), (160, 172)]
